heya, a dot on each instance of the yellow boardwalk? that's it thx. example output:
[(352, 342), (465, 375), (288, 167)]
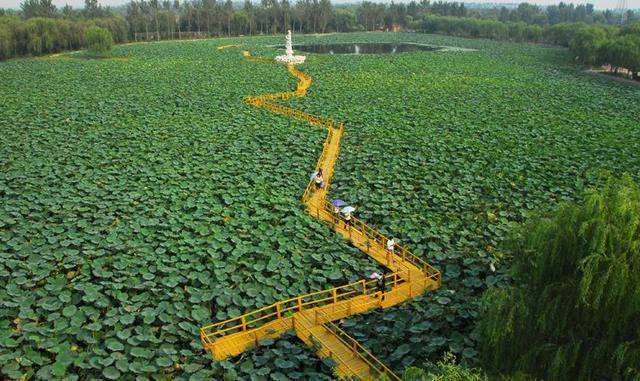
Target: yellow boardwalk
[(312, 315)]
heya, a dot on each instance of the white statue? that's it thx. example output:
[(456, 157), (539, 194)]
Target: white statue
[(289, 58), (288, 43)]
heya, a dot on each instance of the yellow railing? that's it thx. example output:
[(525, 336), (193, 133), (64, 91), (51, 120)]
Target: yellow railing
[(377, 237), (249, 58), (357, 350), (255, 319), (324, 348), (325, 149), (304, 82), (361, 352)]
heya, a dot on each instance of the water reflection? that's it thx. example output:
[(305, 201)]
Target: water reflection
[(364, 48)]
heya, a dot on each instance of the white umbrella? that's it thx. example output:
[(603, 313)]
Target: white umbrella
[(347, 209)]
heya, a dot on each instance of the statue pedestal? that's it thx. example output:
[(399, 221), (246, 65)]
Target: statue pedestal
[(294, 60), (289, 58)]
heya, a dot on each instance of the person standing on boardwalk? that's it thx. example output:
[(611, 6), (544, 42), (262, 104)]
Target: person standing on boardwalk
[(319, 179), (380, 286), (346, 211), (347, 221), (337, 203), (391, 246)]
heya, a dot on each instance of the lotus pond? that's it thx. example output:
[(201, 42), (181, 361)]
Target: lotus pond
[(141, 198)]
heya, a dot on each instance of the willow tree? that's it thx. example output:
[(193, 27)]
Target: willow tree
[(573, 312)]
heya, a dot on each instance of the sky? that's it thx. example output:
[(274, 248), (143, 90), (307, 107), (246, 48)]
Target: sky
[(601, 4)]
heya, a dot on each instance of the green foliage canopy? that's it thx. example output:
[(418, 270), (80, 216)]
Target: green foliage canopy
[(587, 42), (573, 311), (98, 40), (444, 370)]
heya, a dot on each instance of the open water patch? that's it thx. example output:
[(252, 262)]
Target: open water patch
[(366, 48)]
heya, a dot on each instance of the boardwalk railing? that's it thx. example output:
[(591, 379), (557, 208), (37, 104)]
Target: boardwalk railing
[(358, 350), (373, 236), (324, 349), (323, 155), (257, 318), (304, 81)]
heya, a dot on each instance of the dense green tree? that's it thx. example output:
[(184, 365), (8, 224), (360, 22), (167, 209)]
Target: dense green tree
[(622, 52), (37, 8), (68, 12), (444, 370), (98, 41), (344, 20), (586, 44), (562, 34), (41, 35), (228, 15), (574, 307), (325, 14), (91, 8), (6, 43), (249, 11), (633, 29)]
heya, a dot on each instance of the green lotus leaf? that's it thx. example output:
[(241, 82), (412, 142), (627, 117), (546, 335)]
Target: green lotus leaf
[(114, 345), (111, 373)]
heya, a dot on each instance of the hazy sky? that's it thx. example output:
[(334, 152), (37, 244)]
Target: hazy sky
[(597, 3)]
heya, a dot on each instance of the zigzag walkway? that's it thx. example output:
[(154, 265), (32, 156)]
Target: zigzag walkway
[(311, 315)]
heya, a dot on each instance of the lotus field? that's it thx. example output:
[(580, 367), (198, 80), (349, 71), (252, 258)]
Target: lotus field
[(141, 198)]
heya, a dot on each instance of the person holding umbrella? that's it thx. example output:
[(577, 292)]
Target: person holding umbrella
[(337, 203), (347, 216), (380, 285)]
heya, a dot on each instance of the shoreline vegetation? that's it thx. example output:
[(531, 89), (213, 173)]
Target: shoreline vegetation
[(620, 78), (595, 38)]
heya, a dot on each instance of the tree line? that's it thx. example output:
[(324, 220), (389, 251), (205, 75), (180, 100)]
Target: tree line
[(619, 48), (153, 19), (40, 28), (43, 35), (593, 36), (590, 44)]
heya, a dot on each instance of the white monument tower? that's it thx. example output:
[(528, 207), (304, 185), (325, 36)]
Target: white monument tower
[(289, 58)]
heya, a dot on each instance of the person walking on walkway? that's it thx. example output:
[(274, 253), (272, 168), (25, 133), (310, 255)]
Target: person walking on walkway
[(380, 286), (337, 204), (319, 179), (347, 221), (391, 246)]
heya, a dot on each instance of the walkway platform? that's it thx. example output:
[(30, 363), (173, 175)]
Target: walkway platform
[(311, 316)]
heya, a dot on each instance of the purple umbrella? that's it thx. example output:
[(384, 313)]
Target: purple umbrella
[(338, 203)]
